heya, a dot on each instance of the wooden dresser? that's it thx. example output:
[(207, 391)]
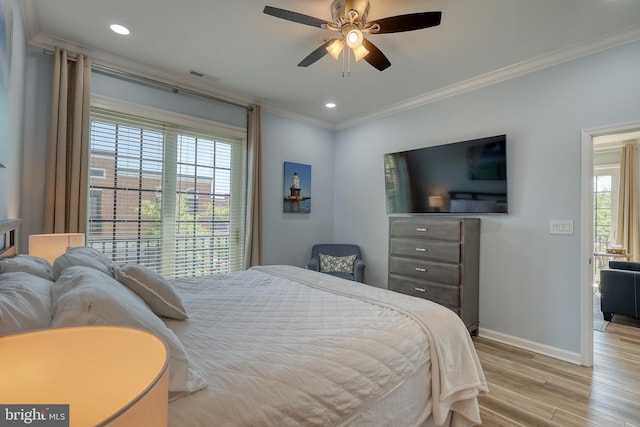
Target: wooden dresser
[(437, 259)]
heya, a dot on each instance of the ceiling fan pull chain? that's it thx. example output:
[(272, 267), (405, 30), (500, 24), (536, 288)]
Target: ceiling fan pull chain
[(344, 60)]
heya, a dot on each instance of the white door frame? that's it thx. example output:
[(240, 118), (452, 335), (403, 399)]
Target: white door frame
[(586, 234)]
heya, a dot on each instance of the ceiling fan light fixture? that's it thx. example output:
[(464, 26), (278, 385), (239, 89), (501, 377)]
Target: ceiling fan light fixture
[(335, 48), (354, 38), (360, 52)]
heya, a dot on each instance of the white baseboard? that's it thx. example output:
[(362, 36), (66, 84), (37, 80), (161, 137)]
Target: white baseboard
[(556, 353)]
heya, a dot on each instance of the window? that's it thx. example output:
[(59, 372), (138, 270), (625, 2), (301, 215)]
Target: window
[(172, 195), (602, 212), (605, 198), (605, 212)]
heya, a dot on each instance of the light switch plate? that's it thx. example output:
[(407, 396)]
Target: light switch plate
[(561, 226)]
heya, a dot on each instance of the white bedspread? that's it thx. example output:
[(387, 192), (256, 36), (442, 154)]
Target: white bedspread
[(278, 353)]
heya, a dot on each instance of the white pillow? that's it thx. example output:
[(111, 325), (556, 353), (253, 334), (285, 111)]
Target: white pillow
[(154, 289), (25, 302), (85, 296), (28, 264), (83, 255)]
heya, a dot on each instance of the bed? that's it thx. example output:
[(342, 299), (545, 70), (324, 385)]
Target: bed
[(273, 345)]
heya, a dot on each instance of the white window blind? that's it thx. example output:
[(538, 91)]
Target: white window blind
[(172, 197)]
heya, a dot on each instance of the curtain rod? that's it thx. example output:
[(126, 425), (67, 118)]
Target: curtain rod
[(132, 76)]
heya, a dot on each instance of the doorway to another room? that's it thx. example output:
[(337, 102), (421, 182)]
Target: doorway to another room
[(600, 177), (612, 207)]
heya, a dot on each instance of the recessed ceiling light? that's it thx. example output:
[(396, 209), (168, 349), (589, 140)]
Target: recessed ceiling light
[(119, 29), (330, 105)]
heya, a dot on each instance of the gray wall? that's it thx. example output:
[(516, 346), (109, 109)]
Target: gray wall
[(287, 237), (37, 111), (164, 99), (529, 279), (11, 144)]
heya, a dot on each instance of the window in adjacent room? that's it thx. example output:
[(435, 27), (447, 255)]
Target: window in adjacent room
[(602, 212), (172, 195), (605, 206), (605, 212)]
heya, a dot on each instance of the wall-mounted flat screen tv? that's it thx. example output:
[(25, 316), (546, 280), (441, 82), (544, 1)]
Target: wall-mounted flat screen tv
[(468, 177)]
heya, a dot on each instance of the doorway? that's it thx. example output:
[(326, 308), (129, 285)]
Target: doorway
[(596, 142)]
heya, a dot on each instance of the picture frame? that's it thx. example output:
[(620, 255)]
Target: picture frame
[(296, 188)]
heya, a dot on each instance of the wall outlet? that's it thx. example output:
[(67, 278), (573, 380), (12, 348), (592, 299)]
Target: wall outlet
[(561, 226)]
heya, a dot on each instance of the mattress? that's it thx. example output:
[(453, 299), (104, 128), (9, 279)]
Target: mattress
[(285, 346)]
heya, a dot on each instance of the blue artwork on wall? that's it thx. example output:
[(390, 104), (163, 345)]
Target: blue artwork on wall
[(297, 188)]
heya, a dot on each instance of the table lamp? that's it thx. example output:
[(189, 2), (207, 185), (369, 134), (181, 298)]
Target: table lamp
[(88, 375), (436, 203), (51, 246)]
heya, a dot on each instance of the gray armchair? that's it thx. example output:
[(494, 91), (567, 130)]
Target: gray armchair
[(620, 289), (338, 250)]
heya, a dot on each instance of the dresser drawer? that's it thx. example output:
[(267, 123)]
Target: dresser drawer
[(435, 250), (426, 228), (442, 294), (425, 270)]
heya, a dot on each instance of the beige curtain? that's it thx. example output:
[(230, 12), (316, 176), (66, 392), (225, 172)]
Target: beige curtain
[(253, 223), (628, 202), (68, 155)]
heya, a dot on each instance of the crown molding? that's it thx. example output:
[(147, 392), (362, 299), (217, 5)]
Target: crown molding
[(110, 61), (557, 57)]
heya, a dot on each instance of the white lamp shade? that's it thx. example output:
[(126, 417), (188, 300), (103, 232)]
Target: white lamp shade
[(109, 376), (436, 201), (51, 246), (360, 52), (335, 48)]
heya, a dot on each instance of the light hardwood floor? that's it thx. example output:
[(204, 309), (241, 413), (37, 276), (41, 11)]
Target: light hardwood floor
[(528, 389)]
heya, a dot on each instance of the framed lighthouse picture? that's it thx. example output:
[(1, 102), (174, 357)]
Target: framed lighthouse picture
[(297, 188)]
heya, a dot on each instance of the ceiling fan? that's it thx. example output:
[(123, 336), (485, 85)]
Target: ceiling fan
[(350, 21)]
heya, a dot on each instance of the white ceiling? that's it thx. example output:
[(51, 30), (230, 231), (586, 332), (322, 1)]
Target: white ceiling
[(251, 57)]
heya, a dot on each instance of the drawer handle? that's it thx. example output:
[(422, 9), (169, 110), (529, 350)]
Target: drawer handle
[(420, 289), (422, 270), (421, 249), (422, 229)]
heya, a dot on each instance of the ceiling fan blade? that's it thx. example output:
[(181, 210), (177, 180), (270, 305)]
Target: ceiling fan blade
[(375, 56), (408, 22), (316, 54), (294, 16)]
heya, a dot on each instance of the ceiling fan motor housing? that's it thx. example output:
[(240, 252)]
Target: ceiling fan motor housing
[(340, 10)]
